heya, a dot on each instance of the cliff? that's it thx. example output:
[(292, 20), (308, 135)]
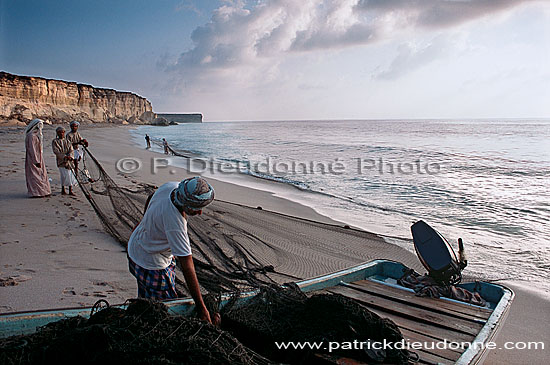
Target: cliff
[(23, 98)]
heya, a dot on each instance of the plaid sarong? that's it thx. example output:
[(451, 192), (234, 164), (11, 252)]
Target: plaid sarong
[(155, 284)]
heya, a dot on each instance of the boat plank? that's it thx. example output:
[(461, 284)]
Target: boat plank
[(463, 310), (448, 354), (404, 310), (431, 359), (432, 331)]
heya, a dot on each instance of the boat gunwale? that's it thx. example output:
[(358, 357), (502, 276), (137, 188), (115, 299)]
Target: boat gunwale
[(474, 355)]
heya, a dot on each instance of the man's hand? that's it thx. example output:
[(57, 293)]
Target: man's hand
[(204, 315), (188, 269)]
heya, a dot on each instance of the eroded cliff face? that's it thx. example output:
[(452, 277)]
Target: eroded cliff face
[(23, 98)]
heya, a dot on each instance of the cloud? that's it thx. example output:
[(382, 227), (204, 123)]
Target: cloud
[(189, 6), (436, 13), (240, 36), (412, 56)]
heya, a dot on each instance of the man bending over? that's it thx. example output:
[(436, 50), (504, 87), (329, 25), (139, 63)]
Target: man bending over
[(162, 234)]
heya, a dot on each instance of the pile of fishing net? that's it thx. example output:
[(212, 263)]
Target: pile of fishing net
[(276, 316), (144, 333)]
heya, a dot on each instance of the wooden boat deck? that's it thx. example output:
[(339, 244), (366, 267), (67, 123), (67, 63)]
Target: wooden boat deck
[(420, 319)]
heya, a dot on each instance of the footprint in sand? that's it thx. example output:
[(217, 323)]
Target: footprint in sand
[(6, 308), (69, 291), (14, 280), (8, 242), (67, 234), (27, 270)]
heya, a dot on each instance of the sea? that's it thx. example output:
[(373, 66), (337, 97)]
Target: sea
[(486, 181)]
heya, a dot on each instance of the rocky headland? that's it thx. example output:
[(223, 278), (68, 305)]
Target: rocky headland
[(23, 98)]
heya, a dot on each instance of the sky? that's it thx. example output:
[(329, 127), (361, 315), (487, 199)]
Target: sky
[(294, 60)]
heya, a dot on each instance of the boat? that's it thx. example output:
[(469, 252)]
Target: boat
[(374, 285)]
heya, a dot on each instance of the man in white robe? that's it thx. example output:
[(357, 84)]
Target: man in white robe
[(38, 185)]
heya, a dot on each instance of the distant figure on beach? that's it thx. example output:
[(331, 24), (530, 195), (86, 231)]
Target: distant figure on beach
[(162, 234), (38, 185), (148, 140), (63, 150), (76, 140), (165, 145)]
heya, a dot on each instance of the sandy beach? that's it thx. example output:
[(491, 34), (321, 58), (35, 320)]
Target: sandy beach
[(57, 253)]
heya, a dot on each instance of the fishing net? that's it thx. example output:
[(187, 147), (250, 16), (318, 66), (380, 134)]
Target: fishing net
[(144, 333), (171, 151), (119, 209), (222, 263), (236, 248), (147, 333), (278, 315)]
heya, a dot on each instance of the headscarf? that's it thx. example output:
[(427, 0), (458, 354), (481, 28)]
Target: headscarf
[(34, 123), (74, 122), (194, 193)]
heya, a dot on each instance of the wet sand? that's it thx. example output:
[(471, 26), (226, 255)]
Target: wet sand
[(56, 251)]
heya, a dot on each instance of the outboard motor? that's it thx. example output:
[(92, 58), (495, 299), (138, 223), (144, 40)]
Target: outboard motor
[(437, 255)]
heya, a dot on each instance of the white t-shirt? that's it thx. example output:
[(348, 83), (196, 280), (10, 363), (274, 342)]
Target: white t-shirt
[(161, 233)]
